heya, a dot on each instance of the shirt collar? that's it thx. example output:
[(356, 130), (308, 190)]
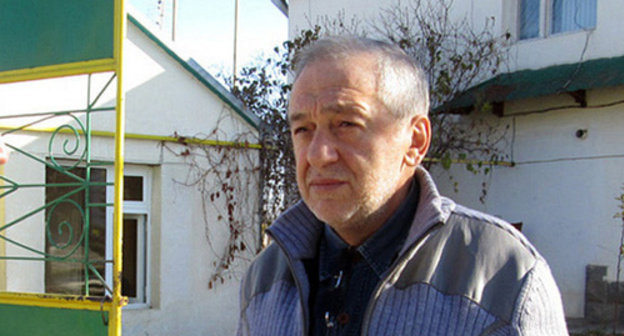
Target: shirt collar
[(379, 250), (331, 253)]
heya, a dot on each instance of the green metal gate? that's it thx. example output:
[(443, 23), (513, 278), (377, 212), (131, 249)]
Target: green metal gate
[(47, 39)]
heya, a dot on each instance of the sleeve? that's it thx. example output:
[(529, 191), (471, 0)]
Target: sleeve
[(539, 310), (243, 325)]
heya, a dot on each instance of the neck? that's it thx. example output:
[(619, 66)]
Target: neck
[(361, 229)]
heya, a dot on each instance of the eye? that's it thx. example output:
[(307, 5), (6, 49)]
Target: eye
[(299, 130), (346, 124)]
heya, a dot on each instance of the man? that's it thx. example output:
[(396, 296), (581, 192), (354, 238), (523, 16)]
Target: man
[(373, 249)]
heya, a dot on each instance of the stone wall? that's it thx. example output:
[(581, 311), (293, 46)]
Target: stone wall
[(602, 298)]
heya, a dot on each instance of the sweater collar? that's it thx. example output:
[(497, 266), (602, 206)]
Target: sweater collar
[(298, 231)]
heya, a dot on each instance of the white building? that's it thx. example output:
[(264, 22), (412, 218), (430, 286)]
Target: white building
[(565, 125), (173, 233)]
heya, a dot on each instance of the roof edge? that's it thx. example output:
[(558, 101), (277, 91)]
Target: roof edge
[(530, 83), (282, 5), (202, 75)]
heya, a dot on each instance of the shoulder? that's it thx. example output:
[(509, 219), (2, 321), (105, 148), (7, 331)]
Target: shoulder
[(269, 267), (269, 302), (489, 234), (476, 256)]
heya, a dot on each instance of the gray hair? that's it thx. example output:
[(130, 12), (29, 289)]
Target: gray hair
[(401, 83)]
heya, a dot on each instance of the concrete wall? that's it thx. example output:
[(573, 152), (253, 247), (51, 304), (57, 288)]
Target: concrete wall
[(185, 238), (562, 187)]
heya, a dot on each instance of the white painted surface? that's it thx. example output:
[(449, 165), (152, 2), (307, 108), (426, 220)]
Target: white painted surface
[(531, 54), (562, 188)]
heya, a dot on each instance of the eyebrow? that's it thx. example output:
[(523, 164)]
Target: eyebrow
[(295, 116), (333, 108)]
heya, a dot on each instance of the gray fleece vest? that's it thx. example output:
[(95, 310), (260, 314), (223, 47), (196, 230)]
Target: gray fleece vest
[(460, 272)]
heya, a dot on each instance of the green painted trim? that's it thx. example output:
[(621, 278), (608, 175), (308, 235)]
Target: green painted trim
[(53, 32), (282, 5), (46, 321), (203, 76), (552, 80)]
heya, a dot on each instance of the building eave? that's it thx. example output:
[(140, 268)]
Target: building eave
[(573, 79), (282, 5), (202, 75)]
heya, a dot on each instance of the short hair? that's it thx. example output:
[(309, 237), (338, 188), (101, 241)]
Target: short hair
[(401, 82)]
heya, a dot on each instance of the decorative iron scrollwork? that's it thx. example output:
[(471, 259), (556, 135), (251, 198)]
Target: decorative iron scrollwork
[(64, 229), (69, 147)]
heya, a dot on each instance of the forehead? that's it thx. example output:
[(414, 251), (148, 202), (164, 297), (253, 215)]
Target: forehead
[(331, 81)]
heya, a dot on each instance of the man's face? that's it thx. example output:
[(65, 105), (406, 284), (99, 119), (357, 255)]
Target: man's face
[(349, 149)]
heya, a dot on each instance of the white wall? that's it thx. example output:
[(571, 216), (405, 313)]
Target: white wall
[(531, 54), (562, 188), (569, 47), (162, 99)]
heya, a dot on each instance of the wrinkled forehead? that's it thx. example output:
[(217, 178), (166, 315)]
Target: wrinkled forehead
[(331, 101), (334, 79)]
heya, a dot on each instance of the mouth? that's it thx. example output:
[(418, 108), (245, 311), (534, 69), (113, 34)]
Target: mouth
[(325, 184)]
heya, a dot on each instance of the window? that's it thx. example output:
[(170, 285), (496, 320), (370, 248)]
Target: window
[(558, 15), (529, 18), (66, 225), (569, 15), (133, 277), (64, 229)]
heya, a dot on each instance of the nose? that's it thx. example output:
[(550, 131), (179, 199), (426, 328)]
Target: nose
[(321, 150)]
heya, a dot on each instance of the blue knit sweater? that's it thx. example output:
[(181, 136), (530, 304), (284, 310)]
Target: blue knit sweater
[(460, 272)]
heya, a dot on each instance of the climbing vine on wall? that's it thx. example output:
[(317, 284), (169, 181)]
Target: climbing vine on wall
[(225, 172), (454, 56)]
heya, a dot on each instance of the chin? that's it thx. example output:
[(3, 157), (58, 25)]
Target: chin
[(333, 214)]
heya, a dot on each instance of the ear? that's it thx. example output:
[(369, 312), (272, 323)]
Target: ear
[(420, 129)]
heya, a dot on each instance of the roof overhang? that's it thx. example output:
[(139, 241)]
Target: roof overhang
[(573, 79), (202, 75), (282, 5)]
